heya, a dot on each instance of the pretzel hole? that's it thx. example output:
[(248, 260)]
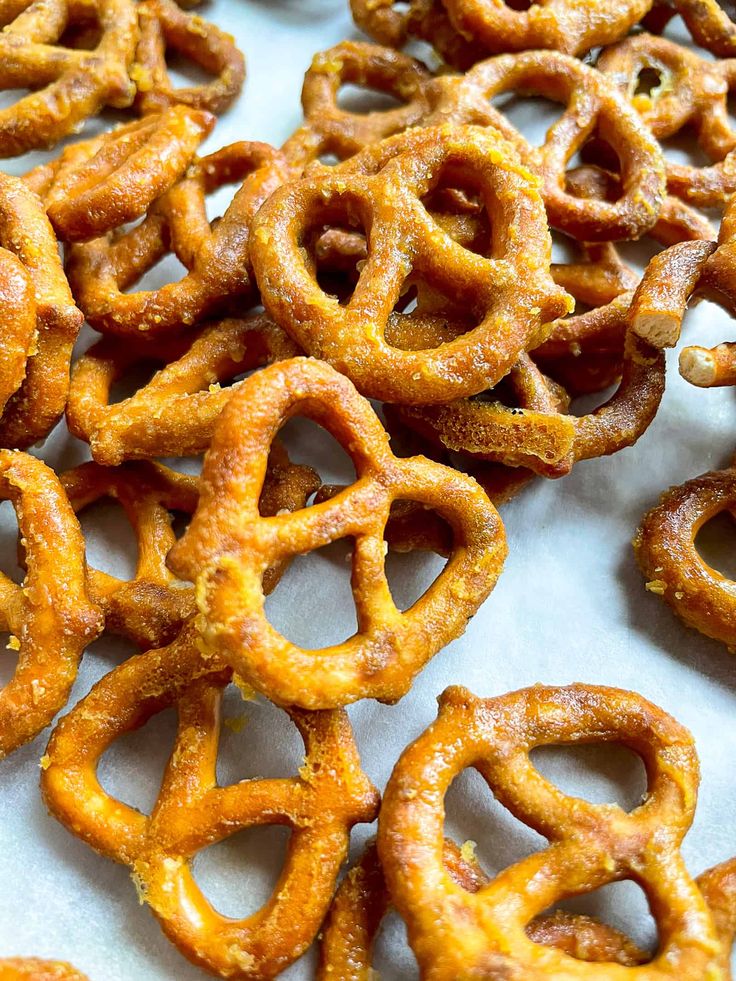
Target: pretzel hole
[(131, 768), (135, 378), (410, 566), (333, 246), (257, 735), (362, 99), (715, 543), (111, 543), (532, 115), (683, 148), (167, 270), (601, 773), (240, 873), (309, 443), (185, 72), (622, 905), (313, 606), (647, 82), (82, 34), (520, 4)]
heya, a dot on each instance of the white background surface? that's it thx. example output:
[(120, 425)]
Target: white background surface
[(570, 606)]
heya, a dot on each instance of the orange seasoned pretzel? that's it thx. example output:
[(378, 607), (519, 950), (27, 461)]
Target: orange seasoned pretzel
[(51, 617), (331, 129), (329, 796), (35, 969), (564, 25), (67, 85), (362, 901), (215, 254), (165, 25), (100, 184), (674, 569), (510, 293), (456, 934), (228, 546), (709, 21), (174, 414), (35, 406), (692, 91), (593, 107), (17, 323)]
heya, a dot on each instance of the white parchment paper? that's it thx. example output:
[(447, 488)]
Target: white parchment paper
[(570, 606)]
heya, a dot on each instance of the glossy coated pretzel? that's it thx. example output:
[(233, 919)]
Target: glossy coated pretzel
[(215, 254), (455, 934), (51, 616), (165, 25), (362, 901), (175, 413), (510, 294), (17, 323), (100, 184), (692, 91), (674, 569), (593, 107), (67, 85), (34, 407), (329, 796), (228, 546)]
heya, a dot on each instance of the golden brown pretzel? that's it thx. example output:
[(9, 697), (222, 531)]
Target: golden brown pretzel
[(329, 796), (455, 934), (100, 184), (174, 414), (674, 569), (228, 546), (36, 405), (692, 91), (165, 25), (67, 85), (35, 969), (17, 323), (709, 22), (51, 616), (510, 293), (214, 254)]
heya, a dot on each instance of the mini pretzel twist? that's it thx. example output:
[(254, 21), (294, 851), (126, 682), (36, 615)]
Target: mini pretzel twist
[(67, 85), (228, 545), (33, 406), (594, 106), (100, 184), (51, 616), (511, 292), (164, 25), (215, 254), (175, 413), (456, 934), (329, 796), (665, 549), (692, 91)]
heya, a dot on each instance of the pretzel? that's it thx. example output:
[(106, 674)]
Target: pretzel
[(164, 25), (564, 25), (709, 23), (51, 616), (214, 254), (228, 546), (329, 796), (100, 184), (67, 85), (328, 128), (665, 549), (33, 408), (175, 413), (17, 323), (593, 104), (362, 902), (693, 92), (512, 293), (35, 969), (455, 934)]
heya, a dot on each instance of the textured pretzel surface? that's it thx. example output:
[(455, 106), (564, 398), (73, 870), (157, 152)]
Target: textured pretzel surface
[(192, 812), (456, 934), (228, 546), (35, 969)]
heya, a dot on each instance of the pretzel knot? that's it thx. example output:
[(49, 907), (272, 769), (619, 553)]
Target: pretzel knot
[(67, 84), (329, 796), (455, 934), (35, 375), (665, 550), (229, 545), (511, 292), (215, 254), (100, 184), (51, 616)]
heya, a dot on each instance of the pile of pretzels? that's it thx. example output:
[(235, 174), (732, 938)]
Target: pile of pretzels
[(387, 274)]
